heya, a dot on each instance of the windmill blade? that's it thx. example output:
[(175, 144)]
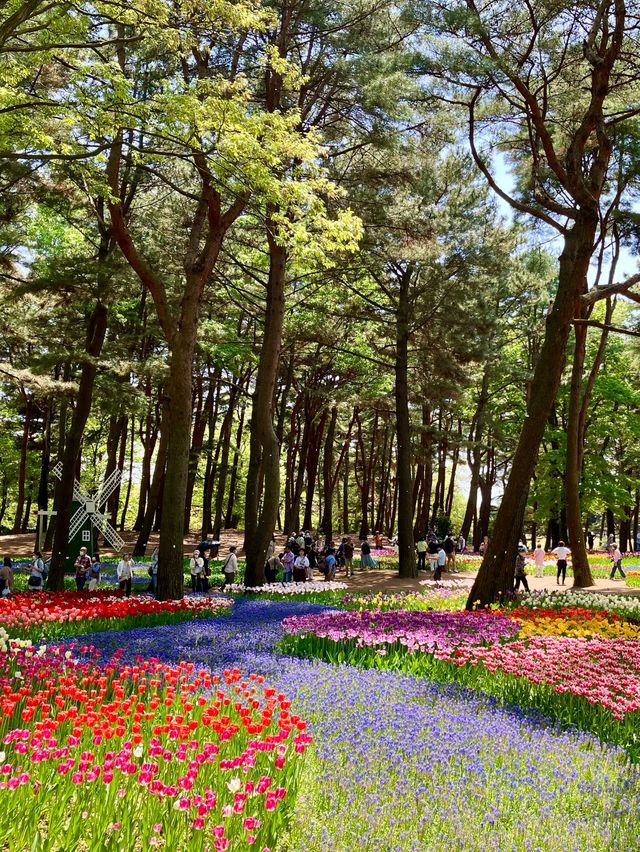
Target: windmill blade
[(78, 493), (108, 487), (101, 523), (77, 521)]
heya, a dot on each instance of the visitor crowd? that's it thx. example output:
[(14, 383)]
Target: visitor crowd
[(303, 554)]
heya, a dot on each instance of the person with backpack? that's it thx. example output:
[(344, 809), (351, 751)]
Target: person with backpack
[(94, 572), (521, 573), (230, 568)]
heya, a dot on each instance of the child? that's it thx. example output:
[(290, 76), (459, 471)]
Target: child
[(94, 572)]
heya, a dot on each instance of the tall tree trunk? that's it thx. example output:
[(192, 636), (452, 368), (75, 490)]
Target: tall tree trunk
[(264, 450), (209, 475), (127, 496), (326, 523), (27, 509), (581, 570), (496, 572), (406, 545), (345, 494), (313, 459), (96, 331), (155, 491), (223, 469), (22, 469), (177, 417), (197, 439), (228, 518)]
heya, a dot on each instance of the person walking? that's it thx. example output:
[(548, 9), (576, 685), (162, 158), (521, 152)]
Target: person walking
[(6, 577), (347, 552), (421, 549), (271, 568), (230, 568), (124, 572), (94, 572), (82, 566), (288, 559), (196, 567), (450, 551), (366, 559), (441, 560), (590, 542), (300, 567), (461, 544), (153, 570), (521, 573), (330, 565), (35, 582), (561, 553), (271, 548), (616, 557), (538, 557)]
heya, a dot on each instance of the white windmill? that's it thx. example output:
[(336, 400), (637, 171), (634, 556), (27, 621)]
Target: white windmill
[(90, 510)]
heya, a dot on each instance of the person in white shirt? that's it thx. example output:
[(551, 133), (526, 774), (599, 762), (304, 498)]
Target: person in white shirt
[(538, 558), (125, 573), (230, 567), (300, 568), (561, 552), (616, 556), (196, 566)]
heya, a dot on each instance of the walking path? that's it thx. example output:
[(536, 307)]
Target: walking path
[(403, 764)]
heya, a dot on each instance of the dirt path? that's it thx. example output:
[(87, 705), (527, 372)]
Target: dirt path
[(377, 580)]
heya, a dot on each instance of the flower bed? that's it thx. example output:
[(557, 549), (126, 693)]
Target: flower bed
[(47, 615), (403, 763), (408, 631), (584, 670), (121, 756), (287, 589), (577, 622), (624, 605), (436, 597)]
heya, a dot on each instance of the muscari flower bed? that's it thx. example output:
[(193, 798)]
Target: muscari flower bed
[(108, 755), (403, 763), (583, 678), (50, 615)]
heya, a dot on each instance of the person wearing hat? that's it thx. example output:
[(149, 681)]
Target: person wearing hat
[(230, 567)]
